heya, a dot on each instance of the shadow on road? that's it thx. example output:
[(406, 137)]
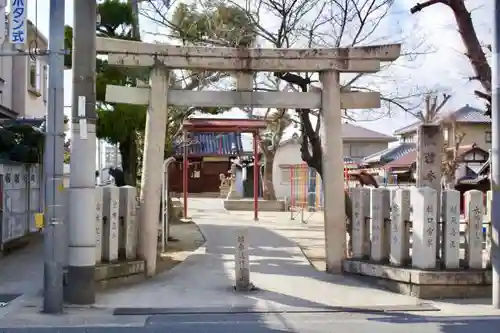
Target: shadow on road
[(448, 324), (271, 254)]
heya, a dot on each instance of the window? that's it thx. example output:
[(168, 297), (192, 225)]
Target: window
[(285, 175), (487, 136), (34, 76), (356, 151), (445, 135)]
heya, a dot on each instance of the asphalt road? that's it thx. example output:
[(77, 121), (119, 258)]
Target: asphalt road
[(293, 322)]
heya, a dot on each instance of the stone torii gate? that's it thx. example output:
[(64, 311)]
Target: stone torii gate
[(244, 62)]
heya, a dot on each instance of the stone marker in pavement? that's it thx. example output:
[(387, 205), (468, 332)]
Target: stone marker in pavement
[(242, 265)]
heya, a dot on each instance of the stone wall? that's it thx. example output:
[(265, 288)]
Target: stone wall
[(398, 230)]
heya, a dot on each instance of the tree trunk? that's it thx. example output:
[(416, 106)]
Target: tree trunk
[(475, 52), (268, 191), (128, 152), (311, 149)]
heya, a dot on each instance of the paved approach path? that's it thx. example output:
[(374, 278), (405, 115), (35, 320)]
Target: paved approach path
[(278, 268)]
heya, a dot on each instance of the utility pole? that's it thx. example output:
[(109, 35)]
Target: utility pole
[(80, 287), (53, 166), (495, 163), (136, 32)]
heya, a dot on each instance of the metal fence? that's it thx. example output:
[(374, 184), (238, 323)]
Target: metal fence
[(20, 200), (306, 192)]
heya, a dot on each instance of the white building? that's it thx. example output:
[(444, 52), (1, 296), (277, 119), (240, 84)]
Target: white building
[(23, 80)]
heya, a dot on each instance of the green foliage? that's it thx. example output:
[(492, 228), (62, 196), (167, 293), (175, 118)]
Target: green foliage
[(21, 143), (118, 124), (217, 24), (68, 45), (115, 123), (116, 19), (67, 156)]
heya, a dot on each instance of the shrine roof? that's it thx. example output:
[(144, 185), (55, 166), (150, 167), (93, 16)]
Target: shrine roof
[(211, 144)]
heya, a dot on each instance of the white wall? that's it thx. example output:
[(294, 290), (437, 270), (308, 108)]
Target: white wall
[(6, 76), (15, 72), (286, 154)]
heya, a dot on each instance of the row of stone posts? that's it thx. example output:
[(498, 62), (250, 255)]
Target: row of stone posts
[(116, 224), (403, 226)]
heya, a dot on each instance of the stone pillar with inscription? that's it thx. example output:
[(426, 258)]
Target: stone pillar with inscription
[(451, 234), (424, 203), (360, 224), (242, 262), (128, 222), (380, 223), (474, 212), (400, 227), (98, 223), (110, 223), (429, 165)]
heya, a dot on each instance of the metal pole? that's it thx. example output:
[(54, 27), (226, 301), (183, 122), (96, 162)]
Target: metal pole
[(80, 287), (185, 171), (165, 194), (53, 166), (255, 177), (99, 161), (495, 164)]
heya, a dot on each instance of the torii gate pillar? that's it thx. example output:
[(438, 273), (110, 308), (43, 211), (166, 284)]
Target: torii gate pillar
[(333, 172), (154, 150)]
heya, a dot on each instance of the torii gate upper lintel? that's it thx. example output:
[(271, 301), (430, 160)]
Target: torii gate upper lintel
[(328, 62)]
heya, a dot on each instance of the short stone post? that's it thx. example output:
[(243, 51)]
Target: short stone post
[(380, 223), (242, 264), (360, 224), (99, 195), (400, 227), (110, 222), (489, 227), (128, 223), (451, 220), (424, 203), (474, 212)]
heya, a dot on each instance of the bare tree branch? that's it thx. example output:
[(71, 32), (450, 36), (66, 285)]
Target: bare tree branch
[(474, 49)]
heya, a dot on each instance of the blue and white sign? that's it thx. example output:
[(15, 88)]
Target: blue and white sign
[(17, 24)]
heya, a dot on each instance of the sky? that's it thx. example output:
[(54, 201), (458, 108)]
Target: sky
[(445, 68)]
